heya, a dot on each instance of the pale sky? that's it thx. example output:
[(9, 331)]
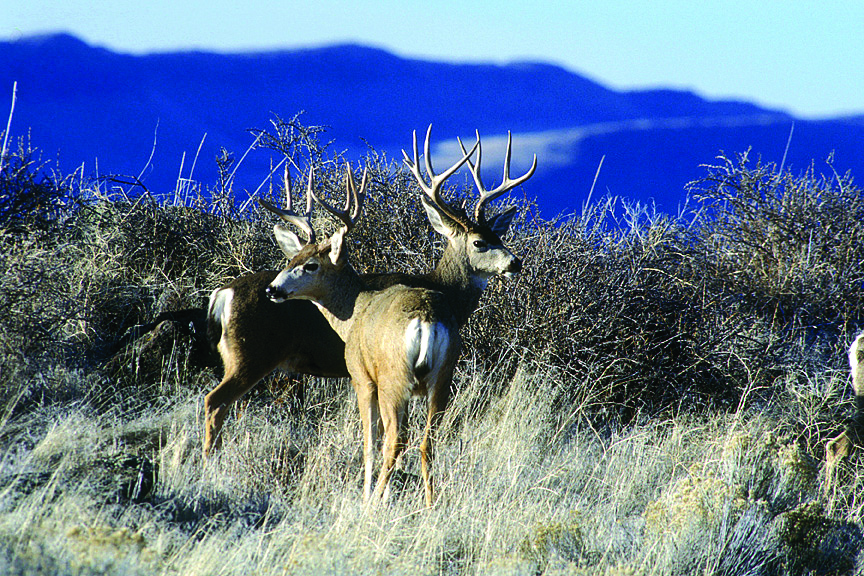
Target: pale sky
[(805, 57)]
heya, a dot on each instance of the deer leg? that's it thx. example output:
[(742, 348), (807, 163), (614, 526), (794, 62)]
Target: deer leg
[(836, 449), (217, 403), (844, 444), (392, 415), (439, 396), (367, 402)]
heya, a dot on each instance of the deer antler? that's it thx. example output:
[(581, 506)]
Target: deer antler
[(433, 188), (487, 196), (351, 214), (304, 221)]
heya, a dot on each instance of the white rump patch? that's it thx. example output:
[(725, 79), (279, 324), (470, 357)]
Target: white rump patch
[(426, 346), (855, 352), (219, 309)]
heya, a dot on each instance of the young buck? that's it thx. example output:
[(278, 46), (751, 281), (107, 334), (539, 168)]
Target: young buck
[(842, 446), (255, 335), (399, 341)]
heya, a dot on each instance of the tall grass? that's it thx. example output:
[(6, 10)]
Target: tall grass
[(651, 396)]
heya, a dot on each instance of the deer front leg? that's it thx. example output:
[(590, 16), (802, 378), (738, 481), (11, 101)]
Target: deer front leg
[(367, 402)]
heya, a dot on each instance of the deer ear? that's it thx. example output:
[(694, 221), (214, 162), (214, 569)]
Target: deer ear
[(337, 248), (442, 223), (288, 241), (500, 223)]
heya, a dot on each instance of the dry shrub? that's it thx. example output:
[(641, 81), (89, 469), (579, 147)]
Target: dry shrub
[(696, 311), (611, 300), (620, 314), (657, 313), (790, 245)]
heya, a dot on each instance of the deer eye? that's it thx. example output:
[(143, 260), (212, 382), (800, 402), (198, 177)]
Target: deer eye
[(480, 244), (310, 266)]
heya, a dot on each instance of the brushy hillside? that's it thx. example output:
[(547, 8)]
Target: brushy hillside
[(651, 396)]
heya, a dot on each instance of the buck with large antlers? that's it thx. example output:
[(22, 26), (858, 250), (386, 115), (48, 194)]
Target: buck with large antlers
[(256, 335), (475, 252)]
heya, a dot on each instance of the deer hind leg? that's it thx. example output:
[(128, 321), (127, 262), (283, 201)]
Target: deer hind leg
[(438, 398), (845, 443), (393, 418), (219, 400), (836, 450)]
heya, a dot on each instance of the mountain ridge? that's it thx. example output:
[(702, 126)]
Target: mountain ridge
[(90, 102)]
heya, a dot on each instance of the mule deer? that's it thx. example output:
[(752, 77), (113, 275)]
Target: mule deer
[(255, 335), (399, 341), (474, 252), (842, 446)]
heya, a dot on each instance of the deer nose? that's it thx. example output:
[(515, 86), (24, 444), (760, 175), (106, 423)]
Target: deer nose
[(274, 293), (515, 266)]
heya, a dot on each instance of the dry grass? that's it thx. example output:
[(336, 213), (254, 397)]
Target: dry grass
[(524, 488)]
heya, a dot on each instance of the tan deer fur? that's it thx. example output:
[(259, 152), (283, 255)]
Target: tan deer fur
[(399, 341), (845, 443), (255, 335)]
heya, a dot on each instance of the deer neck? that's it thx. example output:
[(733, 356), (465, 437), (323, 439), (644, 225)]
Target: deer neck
[(455, 277), (338, 304)]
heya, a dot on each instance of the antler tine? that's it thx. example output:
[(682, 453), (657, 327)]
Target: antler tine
[(357, 196), (360, 196), (427, 155), (288, 215), (353, 202), (475, 168), (286, 180), (440, 178), (507, 184), (414, 165), (310, 194), (432, 189)]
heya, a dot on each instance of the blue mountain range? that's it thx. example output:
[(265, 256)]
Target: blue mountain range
[(87, 106)]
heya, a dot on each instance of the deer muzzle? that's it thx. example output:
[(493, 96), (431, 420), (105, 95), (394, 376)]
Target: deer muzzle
[(513, 268), (276, 293)]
